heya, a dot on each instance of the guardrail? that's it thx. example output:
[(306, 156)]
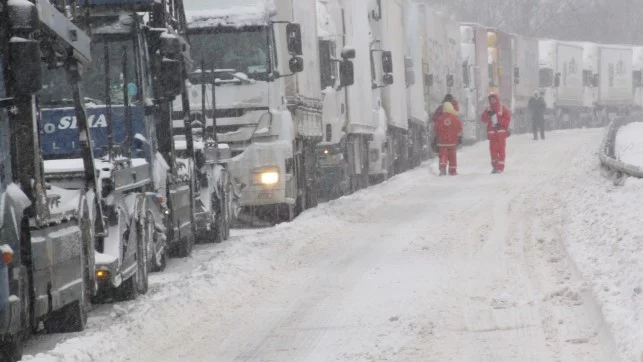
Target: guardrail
[(607, 152)]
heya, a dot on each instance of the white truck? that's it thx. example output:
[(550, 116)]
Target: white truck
[(637, 76), (475, 70), (381, 155), (267, 100), (561, 81), (391, 36), (348, 124), (418, 144), (615, 86), (526, 72), (589, 116)]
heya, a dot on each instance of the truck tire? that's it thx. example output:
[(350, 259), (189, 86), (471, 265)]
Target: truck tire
[(144, 243), (156, 263), (11, 349)]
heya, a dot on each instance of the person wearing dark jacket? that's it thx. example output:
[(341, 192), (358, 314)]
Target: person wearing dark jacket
[(448, 98), (537, 109)]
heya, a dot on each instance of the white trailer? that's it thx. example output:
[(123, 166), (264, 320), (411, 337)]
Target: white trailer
[(391, 36), (615, 78), (262, 58), (381, 70), (419, 146), (637, 78), (346, 112), (473, 38), (526, 72), (562, 81), (589, 116)]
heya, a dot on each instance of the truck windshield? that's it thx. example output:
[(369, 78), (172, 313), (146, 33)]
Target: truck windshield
[(244, 50), (110, 53), (105, 51), (546, 77)]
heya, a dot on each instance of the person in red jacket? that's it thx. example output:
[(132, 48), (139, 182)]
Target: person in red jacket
[(448, 128), (497, 117)]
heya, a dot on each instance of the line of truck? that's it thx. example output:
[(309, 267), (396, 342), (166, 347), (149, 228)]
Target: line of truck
[(132, 129)]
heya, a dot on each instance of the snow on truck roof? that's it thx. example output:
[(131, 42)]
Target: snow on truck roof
[(239, 13)]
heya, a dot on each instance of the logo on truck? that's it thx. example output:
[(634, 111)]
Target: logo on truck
[(70, 122)]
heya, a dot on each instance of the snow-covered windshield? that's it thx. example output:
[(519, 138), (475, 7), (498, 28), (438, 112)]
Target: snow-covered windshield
[(244, 50)]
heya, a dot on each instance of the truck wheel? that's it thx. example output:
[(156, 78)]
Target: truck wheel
[(144, 242), (70, 318), (219, 227), (184, 248), (157, 262), (11, 349)]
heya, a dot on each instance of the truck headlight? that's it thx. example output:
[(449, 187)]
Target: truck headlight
[(269, 177)]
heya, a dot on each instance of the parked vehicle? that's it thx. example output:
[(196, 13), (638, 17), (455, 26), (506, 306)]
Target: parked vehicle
[(47, 266), (146, 204)]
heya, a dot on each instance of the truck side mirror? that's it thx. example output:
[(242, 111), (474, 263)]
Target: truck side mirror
[(408, 62), (387, 62), (450, 81), (296, 64), (410, 77), (171, 77), (293, 34), (557, 80), (346, 73), (348, 53), (516, 75), (388, 78), (25, 71), (595, 80), (22, 16), (428, 80)]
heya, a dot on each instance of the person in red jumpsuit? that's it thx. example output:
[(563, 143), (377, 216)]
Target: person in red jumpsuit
[(497, 117), (448, 128)]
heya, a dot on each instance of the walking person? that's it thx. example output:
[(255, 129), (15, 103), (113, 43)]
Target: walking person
[(497, 117), (448, 128), (537, 109)]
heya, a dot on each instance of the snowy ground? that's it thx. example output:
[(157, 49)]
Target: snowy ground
[(629, 144), (541, 263)]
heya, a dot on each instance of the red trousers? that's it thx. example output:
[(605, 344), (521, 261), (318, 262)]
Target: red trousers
[(448, 156), (497, 145)]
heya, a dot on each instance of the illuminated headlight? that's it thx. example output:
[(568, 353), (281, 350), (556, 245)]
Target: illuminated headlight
[(269, 178)]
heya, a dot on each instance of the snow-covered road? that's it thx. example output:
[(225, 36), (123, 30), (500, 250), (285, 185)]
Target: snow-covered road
[(420, 268)]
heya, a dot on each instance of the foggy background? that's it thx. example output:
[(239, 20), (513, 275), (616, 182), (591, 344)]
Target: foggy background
[(600, 21)]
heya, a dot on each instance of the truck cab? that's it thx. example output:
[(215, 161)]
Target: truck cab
[(248, 89)]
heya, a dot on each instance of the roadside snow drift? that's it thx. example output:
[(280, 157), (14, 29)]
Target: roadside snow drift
[(629, 144)]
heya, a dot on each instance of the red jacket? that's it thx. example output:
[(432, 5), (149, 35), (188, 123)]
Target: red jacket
[(438, 111), (448, 127), (503, 113)]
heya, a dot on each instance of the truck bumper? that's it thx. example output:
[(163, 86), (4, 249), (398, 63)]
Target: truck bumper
[(265, 171)]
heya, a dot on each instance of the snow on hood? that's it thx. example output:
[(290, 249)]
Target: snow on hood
[(238, 13)]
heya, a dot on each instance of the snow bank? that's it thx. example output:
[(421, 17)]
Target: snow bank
[(605, 238), (629, 144)]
